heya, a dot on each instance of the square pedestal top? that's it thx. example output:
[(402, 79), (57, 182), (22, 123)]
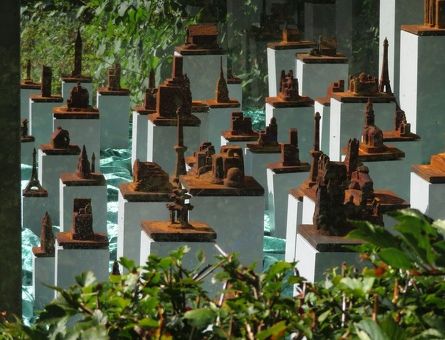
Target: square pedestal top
[(234, 80), (40, 252), (35, 193), (325, 101), (231, 137), (323, 59), (53, 99), (140, 196), (172, 121), (27, 139), (422, 30), (278, 102), (326, 243), (72, 180), (291, 45), (107, 92), (389, 201), (186, 50), (429, 173), (62, 112), (30, 85), (257, 148), (164, 231), (48, 149), (389, 154), (279, 168), (142, 110), (394, 136), (65, 239), (349, 97), (213, 104), (202, 186), (199, 106), (73, 79), (296, 193)]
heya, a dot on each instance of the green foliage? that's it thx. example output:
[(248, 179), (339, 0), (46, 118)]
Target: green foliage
[(400, 294)]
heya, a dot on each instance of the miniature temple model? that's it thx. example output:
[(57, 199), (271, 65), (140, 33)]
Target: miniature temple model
[(240, 131), (434, 13)]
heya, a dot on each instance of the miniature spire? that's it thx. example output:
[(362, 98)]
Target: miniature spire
[(369, 114), (83, 165), (151, 79), (93, 163), (385, 85), (47, 240), (115, 270), (77, 71), (351, 159), (290, 154), (28, 71), (34, 183), (180, 149), (24, 128), (315, 152), (45, 87), (222, 92)]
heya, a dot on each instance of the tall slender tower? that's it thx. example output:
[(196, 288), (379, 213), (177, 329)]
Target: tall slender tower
[(315, 152), (34, 183), (385, 84), (180, 150), (222, 92), (77, 72)]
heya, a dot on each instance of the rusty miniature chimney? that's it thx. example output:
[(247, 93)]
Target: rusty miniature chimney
[(93, 163), (177, 67), (28, 78), (351, 159), (180, 149), (315, 152), (114, 77), (372, 136), (83, 165), (47, 239), (151, 79), (290, 152), (47, 75), (222, 91), (77, 71), (34, 185), (82, 220), (385, 85)]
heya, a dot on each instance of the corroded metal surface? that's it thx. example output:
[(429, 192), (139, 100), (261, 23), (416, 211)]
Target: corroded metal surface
[(47, 239), (267, 139), (34, 188)]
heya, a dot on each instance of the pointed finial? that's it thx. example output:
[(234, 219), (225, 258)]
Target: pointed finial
[(77, 71), (385, 84), (115, 270), (369, 113), (47, 239), (34, 185), (83, 165), (93, 162), (222, 91)]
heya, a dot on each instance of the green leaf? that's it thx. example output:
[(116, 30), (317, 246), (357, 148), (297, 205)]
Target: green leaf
[(200, 317), (369, 329), (148, 323), (373, 234), (85, 279), (127, 263), (276, 330), (395, 258)]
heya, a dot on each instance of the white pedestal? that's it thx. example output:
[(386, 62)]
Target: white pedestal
[(130, 215), (25, 94), (325, 121), (278, 186), (282, 59), (68, 86), (50, 168), (427, 197), (139, 137), (308, 210), (41, 120), (294, 215), (235, 91), (347, 121), (393, 14), (203, 72), (238, 222), (204, 126), (422, 94), (98, 196), (315, 78), (114, 120), (83, 132), (161, 141), (43, 275), (26, 149), (301, 118), (255, 164), (33, 209), (312, 264), (73, 262)]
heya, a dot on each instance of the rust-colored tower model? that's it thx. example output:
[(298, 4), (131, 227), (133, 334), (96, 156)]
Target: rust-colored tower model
[(180, 150), (315, 152), (77, 71), (222, 91), (47, 75), (385, 85)]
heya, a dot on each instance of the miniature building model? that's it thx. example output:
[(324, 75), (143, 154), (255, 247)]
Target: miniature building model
[(201, 161), (47, 239), (325, 47), (290, 33), (149, 177), (434, 13), (202, 36), (363, 85), (24, 133), (240, 126), (150, 93), (267, 138), (385, 85), (79, 99)]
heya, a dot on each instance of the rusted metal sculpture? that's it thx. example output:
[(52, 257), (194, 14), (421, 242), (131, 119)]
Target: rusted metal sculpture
[(434, 13), (79, 98), (290, 154), (150, 93), (77, 71), (60, 138), (288, 87), (228, 167), (179, 209), (385, 84), (402, 126), (34, 188), (269, 136), (315, 152), (114, 77), (241, 125), (372, 136), (47, 240), (363, 85), (180, 149), (24, 131), (149, 177), (47, 75), (351, 160), (290, 33), (222, 91), (83, 165), (202, 36), (82, 220), (201, 161), (325, 47)]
